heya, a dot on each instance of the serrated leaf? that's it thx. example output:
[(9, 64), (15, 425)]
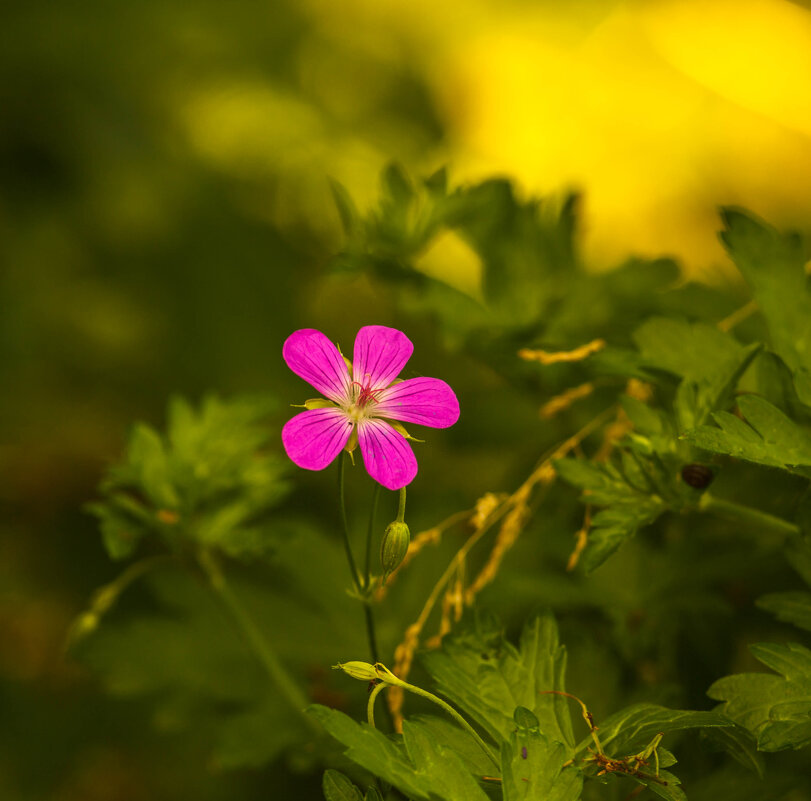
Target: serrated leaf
[(628, 508), (689, 350), (777, 709), (338, 787), (371, 749), (770, 439), (450, 735), (739, 743), (488, 677), (419, 766), (442, 772), (790, 607), (612, 527), (210, 479), (773, 264), (709, 360), (148, 463), (633, 728), (532, 767)]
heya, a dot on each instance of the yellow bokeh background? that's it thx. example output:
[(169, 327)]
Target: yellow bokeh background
[(657, 111)]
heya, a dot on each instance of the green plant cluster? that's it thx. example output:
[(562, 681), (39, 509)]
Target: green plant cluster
[(689, 580)]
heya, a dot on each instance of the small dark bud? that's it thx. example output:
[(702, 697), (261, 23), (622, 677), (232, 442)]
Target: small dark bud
[(697, 476), (394, 547)]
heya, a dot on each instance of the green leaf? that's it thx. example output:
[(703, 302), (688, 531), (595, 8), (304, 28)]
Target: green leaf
[(612, 527), (646, 420), (123, 523), (688, 350), (211, 479), (790, 607), (532, 767), (442, 772), (629, 508), (709, 361), (488, 677), (371, 749), (338, 787), (396, 185), (739, 743), (420, 766), (450, 735), (770, 438), (633, 728), (777, 709), (798, 548), (525, 247), (148, 461), (665, 785), (346, 207), (773, 265)]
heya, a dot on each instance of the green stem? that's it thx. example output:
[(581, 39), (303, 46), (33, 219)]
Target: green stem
[(390, 678), (360, 585), (107, 595), (401, 507), (353, 568), (745, 514), (369, 535), (104, 598), (370, 630), (370, 707), (258, 642)]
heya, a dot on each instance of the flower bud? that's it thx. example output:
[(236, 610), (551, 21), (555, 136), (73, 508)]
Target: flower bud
[(357, 670), (394, 547)]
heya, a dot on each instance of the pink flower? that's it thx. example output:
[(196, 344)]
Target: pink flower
[(364, 400)]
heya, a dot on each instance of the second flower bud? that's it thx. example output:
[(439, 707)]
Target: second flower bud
[(394, 547)]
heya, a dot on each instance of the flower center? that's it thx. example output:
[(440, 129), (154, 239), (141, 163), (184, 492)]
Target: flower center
[(363, 396)]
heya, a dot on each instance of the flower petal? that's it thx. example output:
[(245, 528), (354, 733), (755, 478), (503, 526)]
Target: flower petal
[(426, 401), (380, 354), (388, 457), (311, 356), (313, 439)]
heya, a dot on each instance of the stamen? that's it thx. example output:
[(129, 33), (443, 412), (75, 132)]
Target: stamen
[(366, 394)]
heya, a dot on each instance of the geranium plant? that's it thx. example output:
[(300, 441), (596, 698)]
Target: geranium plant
[(611, 561)]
